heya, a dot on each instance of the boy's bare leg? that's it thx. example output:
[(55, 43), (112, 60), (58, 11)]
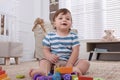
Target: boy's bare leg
[(44, 68), (82, 66)]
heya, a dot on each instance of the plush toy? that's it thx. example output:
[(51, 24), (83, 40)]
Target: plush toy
[(109, 36), (39, 22)]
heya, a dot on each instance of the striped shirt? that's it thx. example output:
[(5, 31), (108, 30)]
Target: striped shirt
[(61, 45)]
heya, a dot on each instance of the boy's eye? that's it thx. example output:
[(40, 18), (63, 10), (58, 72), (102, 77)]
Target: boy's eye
[(68, 18), (60, 18)]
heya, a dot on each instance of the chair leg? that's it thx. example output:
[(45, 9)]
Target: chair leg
[(7, 60), (17, 60)]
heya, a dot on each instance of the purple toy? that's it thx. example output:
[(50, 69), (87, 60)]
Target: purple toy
[(43, 78), (67, 77), (35, 76)]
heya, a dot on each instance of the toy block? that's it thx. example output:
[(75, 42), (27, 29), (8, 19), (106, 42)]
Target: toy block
[(7, 78), (20, 76), (35, 76), (85, 78), (56, 76), (2, 76), (98, 79), (2, 72), (75, 77), (64, 70), (44, 78), (67, 76)]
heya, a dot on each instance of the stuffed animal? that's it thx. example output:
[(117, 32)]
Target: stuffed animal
[(109, 36), (40, 22)]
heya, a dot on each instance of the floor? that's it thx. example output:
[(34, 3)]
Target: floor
[(108, 70)]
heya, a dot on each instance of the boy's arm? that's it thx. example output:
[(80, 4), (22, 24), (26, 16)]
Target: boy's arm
[(74, 56), (48, 55), (46, 51)]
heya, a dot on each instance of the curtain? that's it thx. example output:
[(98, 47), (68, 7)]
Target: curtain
[(112, 15), (92, 17)]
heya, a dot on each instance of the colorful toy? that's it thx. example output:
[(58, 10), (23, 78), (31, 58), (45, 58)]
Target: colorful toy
[(40, 77), (43, 78), (36, 76), (56, 76), (20, 76), (98, 79), (63, 73), (3, 75), (64, 70), (85, 78), (67, 76), (75, 77)]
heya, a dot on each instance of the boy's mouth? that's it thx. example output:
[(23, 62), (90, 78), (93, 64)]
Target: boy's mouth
[(64, 24)]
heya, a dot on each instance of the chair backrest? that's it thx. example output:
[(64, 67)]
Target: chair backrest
[(39, 34)]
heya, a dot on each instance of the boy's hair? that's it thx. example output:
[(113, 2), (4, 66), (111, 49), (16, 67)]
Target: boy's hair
[(62, 10)]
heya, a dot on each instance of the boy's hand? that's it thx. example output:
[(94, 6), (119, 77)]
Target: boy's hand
[(52, 58)]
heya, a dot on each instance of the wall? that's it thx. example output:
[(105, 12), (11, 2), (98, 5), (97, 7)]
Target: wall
[(26, 11), (41, 9)]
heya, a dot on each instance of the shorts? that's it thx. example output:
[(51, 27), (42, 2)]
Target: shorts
[(60, 63)]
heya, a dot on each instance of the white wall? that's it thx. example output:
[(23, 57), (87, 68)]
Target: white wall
[(41, 9), (26, 11)]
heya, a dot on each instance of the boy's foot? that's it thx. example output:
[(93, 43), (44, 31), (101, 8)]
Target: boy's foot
[(33, 72), (30, 73)]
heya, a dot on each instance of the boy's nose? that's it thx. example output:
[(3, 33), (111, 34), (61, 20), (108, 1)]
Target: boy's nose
[(64, 20)]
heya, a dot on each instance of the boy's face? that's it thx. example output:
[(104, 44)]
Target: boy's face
[(63, 21)]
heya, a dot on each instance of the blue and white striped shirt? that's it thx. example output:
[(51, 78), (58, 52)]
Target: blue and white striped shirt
[(61, 45)]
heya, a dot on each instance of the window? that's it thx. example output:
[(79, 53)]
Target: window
[(112, 15), (91, 17), (8, 24)]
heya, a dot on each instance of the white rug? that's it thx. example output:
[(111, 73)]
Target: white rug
[(108, 70)]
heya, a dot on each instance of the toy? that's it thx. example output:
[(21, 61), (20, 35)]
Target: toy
[(40, 22), (63, 73), (109, 36), (98, 79), (75, 77), (35, 76), (64, 70), (3, 75), (2, 72), (67, 77), (56, 76), (85, 78), (43, 78), (20, 76)]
